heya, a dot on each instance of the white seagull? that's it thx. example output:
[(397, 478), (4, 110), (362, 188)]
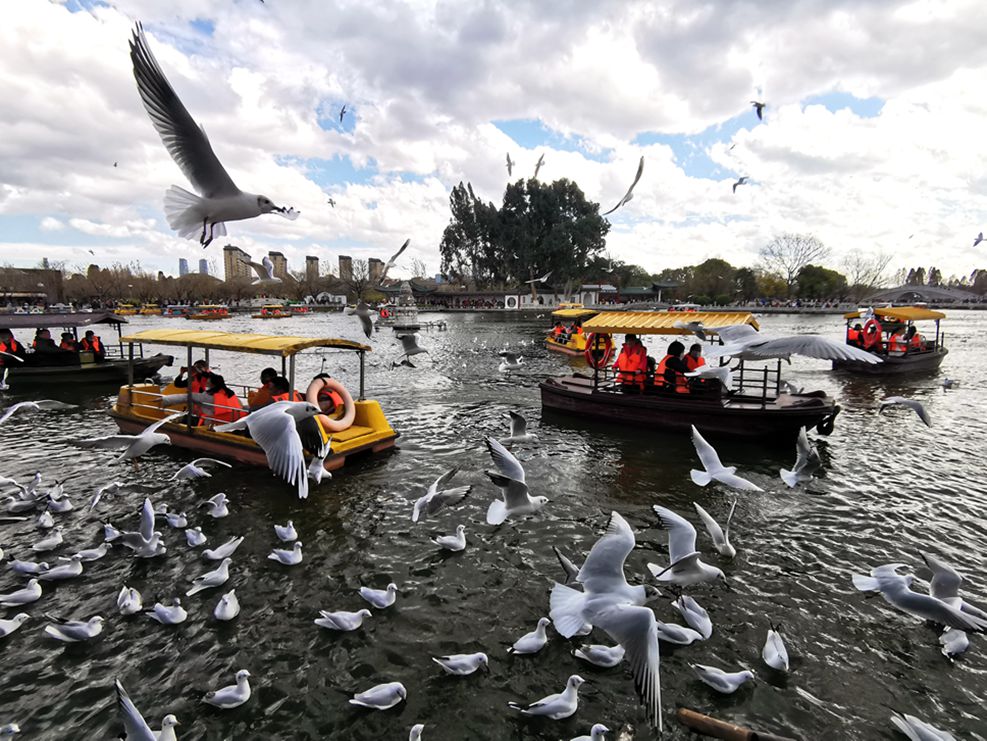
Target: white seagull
[(393, 261), (190, 215), (746, 343), (945, 585), (437, 497), (27, 595), (919, 730), (685, 567), (695, 328), (36, 406), (49, 543), (774, 652), (287, 558), (721, 537), (274, 428), (509, 478), (70, 569), (173, 614), (910, 403), (455, 542), (630, 191), (194, 537), (416, 732), (231, 696), (510, 168), (597, 655), (215, 578), (342, 620), (134, 445), (538, 165), (533, 642), (381, 697), (286, 533), (596, 733), (228, 606), (111, 488), (409, 346), (519, 430), (365, 315), (94, 554), (74, 631), (714, 470), (9, 626), (135, 727), (317, 466), (28, 568), (721, 373), (540, 279), (677, 634), (217, 505), (511, 361), (195, 470), (380, 598), (694, 615), (461, 665), (806, 461), (558, 706), (264, 271), (954, 642), (226, 550), (129, 601), (724, 682)]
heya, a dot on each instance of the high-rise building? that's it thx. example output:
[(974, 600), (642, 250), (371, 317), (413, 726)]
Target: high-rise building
[(345, 268), (233, 263), (311, 268), (280, 264), (203, 267), (182, 267), (376, 269)]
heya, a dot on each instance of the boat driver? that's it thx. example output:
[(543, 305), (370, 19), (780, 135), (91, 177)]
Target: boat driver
[(197, 381)]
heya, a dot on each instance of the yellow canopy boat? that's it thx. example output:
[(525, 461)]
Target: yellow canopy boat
[(359, 427), (125, 310), (891, 334), (564, 341), (208, 312), (150, 310), (272, 311)]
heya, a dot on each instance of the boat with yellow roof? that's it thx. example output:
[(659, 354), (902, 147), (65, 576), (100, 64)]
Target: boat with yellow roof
[(748, 402), (208, 312), (125, 310), (272, 311), (891, 334), (356, 426), (560, 339)]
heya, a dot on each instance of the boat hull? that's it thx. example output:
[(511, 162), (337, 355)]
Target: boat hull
[(558, 347), (109, 371), (741, 417), (925, 362)]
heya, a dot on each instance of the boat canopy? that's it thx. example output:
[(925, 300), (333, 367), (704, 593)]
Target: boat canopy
[(902, 313), (262, 344), (663, 322), (574, 313), (47, 321)]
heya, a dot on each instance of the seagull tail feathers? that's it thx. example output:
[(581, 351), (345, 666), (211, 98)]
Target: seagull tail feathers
[(496, 512), (566, 609), (185, 212), (866, 583), (789, 477), (700, 478)]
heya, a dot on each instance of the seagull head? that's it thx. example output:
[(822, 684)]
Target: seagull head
[(266, 206), (651, 593), (242, 675), (169, 721)]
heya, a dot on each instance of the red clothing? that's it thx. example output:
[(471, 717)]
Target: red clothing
[(294, 396), (673, 377), (94, 345), (226, 406), (692, 363), (631, 364)]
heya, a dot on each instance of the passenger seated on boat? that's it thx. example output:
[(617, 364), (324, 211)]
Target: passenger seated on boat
[(631, 364), (671, 371), (916, 342), (694, 358), (281, 390), (328, 398), (576, 328), (855, 335), (897, 344), (43, 342), (558, 332), (91, 343), (197, 380), (263, 396), (68, 342), (9, 345), (225, 406)]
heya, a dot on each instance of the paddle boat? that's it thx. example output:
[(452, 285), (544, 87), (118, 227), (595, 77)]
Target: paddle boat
[(272, 311), (884, 331), (208, 312), (360, 427), (755, 406), (573, 344), (175, 310), (299, 309), (150, 310), (125, 310), (66, 367)]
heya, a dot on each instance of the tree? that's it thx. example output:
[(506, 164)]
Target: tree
[(746, 282), (418, 268), (468, 248), (714, 277), (864, 274), (935, 277), (919, 277), (770, 285), (789, 253), (817, 282)]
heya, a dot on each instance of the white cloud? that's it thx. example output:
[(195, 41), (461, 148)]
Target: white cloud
[(424, 81)]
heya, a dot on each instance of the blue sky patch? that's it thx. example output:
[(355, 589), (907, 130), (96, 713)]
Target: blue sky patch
[(863, 107), (532, 133)]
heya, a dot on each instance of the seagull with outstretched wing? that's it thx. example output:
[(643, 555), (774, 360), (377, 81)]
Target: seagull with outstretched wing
[(193, 216), (910, 404), (759, 109), (543, 279), (630, 191), (538, 165), (36, 406), (510, 165), (394, 258)]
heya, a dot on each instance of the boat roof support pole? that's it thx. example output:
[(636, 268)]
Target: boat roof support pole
[(362, 372), (130, 364), (291, 373), (207, 357), (284, 369)]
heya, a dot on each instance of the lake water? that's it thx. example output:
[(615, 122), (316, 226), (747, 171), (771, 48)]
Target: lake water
[(890, 488)]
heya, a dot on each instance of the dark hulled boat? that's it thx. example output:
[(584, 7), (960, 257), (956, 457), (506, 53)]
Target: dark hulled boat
[(925, 358)]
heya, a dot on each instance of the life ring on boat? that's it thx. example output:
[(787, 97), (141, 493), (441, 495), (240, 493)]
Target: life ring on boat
[(596, 357), (872, 333), (318, 394)]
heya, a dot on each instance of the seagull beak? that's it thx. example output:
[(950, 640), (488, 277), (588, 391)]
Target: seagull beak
[(287, 212)]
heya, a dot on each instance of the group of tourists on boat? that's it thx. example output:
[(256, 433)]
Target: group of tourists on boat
[(638, 372), (562, 334), (902, 338), (46, 352)]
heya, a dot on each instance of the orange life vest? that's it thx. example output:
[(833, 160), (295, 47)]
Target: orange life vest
[(557, 331), (295, 396), (226, 406), (853, 336), (896, 343), (631, 365), (692, 363), (915, 343), (681, 382), (68, 345), (12, 346), (333, 396), (93, 345)]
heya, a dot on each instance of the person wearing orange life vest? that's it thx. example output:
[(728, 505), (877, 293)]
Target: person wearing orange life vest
[(897, 345), (9, 345), (672, 369), (329, 396), (197, 380), (694, 358), (264, 395), (916, 342), (631, 364), (92, 343), (855, 335), (225, 406), (281, 390), (68, 342)]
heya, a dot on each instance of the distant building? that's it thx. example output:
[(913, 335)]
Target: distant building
[(345, 268), (311, 268), (376, 270), (233, 265), (182, 267), (203, 267), (280, 264)]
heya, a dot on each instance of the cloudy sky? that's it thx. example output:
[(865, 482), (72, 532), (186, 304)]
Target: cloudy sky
[(874, 136)]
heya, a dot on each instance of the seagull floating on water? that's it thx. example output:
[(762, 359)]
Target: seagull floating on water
[(173, 614), (381, 697), (70, 569), (910, 403), (596, 733), (774, 652), (74, 631), (723, 682), (10, 626), (221, 200), (533, 642), (231, 696), (287, 558), (27, 595), (380, 598), (694, 615), (217, 505), (461, 665), (455, 542), (129, 601), (226, 550), (558, 706), (194, 537), (919, 730), (211, 579), (597, 655), (806, 461), (342, 620), (286, 533), (630, 191), (228, 607)]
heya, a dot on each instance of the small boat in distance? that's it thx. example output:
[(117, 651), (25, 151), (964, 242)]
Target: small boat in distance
[(150, 310), (125, 310), (754, 407), (566, 342), (208, 312), (175, 310), (891, 334), (272, 311)]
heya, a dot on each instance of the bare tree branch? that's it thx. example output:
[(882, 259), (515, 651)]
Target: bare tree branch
[(789, 253)]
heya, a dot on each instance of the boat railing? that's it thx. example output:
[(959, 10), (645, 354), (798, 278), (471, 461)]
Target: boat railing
[(762, 382), (141, 398)]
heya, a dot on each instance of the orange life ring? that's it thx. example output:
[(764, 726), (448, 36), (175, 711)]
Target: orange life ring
[(592, 351), (312, 395), (872, 333)]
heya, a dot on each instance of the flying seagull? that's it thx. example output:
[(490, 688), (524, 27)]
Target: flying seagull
[(630, 191), (264, 270), (542, 279), (331, 202), (911, 404), (342, 112), (394, 258), (510, 165), (219, 198), (538, 164), (363, 313), (919, 730), (409, 344), (979, 239), (33, 405), (438, 497), (758, 109), (741, 181), (806, 461), (714, 470)]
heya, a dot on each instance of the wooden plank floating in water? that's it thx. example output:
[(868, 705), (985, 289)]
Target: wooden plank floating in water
[(714, 728)]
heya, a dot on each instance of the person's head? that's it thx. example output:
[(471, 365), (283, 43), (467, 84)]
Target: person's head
[(676, 348), (630, 339), (910, 332), (695, 350), (857, 326), (215, 382), (201, 367), (280, 385), (267, 375), (5, 334), (90, 334), (67, 336)]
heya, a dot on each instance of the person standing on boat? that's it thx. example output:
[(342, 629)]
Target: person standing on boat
[(9, 345), (225, 405), (631, 364), (672, 369), (92, 343), (694, 358)]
